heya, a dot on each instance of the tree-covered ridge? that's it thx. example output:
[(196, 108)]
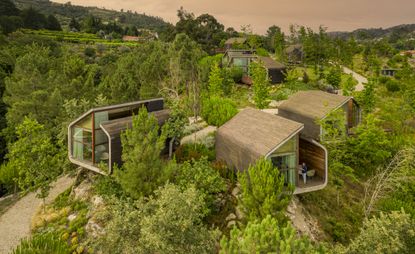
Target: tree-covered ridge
[(67, 11)]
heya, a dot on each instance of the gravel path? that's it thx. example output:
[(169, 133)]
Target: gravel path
[(360, 79), (198, 136), (15, 222)]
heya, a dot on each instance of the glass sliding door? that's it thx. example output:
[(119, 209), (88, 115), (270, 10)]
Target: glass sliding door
[(285, 159), (286, 164)]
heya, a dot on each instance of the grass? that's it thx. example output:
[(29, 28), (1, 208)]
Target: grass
[(339, 211)]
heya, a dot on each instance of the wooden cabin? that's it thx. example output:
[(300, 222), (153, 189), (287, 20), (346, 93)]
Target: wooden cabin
[(388, 72), (309, 107), (243, 58), (276, 70), (253, 134), (94, 138)]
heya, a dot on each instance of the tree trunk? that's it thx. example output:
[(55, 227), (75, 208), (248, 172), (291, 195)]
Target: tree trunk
[(171, 147)]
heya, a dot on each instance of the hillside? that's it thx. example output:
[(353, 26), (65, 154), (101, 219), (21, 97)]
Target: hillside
[(395, 32), (64, 13)]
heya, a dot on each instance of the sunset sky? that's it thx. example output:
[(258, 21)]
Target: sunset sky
[(337, 15)]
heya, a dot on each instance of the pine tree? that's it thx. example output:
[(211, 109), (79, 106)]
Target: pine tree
[(265, 236), (260, 84), (263, 191), (142, 171), (215, 81)]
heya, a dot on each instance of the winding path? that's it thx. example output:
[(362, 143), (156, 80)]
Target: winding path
[(360, 79), (15, 222)]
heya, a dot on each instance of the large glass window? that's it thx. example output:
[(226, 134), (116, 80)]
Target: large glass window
[(285, 159), (82, 140), (101, 140)]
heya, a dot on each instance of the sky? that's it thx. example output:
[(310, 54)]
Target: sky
[(336, 15)]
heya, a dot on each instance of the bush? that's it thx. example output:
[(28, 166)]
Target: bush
[(107, 186), (90, 52), (236, 73), (217, 111), (43, 243), (388, 233), (200, 174), (392, 85), (188, 152), (262, 52), (169, 222)]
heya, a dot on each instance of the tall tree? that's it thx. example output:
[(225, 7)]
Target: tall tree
[(263, 192), (52, 23), (215, 81), (142, 171), (260, 84), (33, 157)]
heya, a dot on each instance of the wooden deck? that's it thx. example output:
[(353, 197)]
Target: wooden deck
[(312, 184)]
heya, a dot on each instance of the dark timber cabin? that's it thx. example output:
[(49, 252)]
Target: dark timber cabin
[(309, 107), (253, 134), (94, 138), (243, 58)]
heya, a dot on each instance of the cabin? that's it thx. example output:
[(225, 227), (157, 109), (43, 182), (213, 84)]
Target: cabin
[(243, 58), (388, 72), (294, 54), (94, 140), (235, 42), (253, 134), (310, 107), (276, 70)]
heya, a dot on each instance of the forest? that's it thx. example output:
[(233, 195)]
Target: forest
[(55, 65)]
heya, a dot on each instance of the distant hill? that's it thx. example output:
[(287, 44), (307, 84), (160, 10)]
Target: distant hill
[(64, 12), (394, 33)]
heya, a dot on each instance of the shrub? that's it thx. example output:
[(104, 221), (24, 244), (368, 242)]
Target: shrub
[(42, 243), (107, 186), (196, 151), (200, 174), (169, 222), (388, 233), (90, 52), (236, 73), (392, 85), (217, 111)]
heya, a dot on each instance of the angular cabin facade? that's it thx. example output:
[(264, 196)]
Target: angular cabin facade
[(94, 138), (309, 107), (243, 58), (253, 134)]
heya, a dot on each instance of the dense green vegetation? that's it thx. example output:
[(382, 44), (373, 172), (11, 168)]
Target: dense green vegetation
[(188, 202)]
